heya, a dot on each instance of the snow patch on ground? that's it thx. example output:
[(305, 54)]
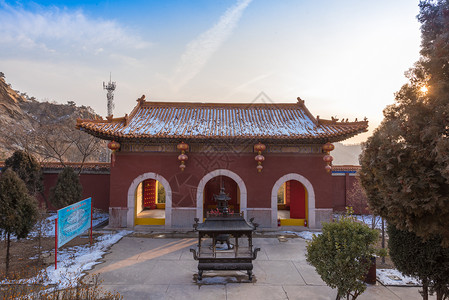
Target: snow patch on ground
[(74, 261), (307, 235), (366, 219), (394, 277)]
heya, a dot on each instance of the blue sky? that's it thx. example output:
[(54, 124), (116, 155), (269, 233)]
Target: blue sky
[(345, 58)]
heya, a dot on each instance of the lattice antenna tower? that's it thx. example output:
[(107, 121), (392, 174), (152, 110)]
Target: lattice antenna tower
[(110, 87)]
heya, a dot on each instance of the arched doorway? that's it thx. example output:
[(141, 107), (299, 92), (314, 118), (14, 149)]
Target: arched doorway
[(292, 204), (293, 201), (149, 201), (213, 187), (242, 194)]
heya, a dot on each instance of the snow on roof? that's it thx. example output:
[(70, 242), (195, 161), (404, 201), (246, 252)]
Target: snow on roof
[(180, 120)]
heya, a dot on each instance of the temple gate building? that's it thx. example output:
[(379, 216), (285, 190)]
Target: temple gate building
[(170, 158)]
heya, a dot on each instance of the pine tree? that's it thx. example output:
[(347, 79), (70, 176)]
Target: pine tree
[(426, 260), (68, 189), (405, 164), (18, 210), (28, 169)]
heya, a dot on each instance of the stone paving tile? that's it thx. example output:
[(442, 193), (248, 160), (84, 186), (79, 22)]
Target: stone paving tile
[(139, 292), (128, 248), (171, 272), (276, 273), (125, 271), (310, 292), (254, 292), (169, 251), (408, 292), (197, 292), (147, 268), (377, 291), (309, 274)]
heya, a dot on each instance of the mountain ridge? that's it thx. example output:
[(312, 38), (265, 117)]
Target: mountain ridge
[(22, 116)]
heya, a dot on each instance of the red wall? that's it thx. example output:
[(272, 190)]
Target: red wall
[(128, 166), (94, 185), (339, 194), (343, 187), (330, 191)]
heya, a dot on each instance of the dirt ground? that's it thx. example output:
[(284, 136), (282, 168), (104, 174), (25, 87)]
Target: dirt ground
[(388, 262), (24, 260)]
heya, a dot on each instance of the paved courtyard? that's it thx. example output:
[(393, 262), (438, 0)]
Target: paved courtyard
[(154, 267)]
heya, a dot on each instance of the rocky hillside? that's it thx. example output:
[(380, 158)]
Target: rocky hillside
[(10, 100), (31, 124)]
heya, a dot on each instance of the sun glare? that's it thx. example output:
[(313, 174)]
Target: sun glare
[(424, 89)]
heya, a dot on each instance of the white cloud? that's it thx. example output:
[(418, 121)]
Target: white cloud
[(199, 51), (61, 31)]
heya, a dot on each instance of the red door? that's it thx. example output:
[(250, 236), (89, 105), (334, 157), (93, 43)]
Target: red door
[(297, 200), (149, 193)]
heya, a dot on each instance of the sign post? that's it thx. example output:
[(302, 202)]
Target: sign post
[(72, 221), (56, 243), (91, 218)]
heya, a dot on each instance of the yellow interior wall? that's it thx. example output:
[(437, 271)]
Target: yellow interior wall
[(139, 200), (285, 194), (156, 186)]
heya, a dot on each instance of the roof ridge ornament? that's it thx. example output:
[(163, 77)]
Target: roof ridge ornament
[(300, 101), (141, 100), (126, 119)]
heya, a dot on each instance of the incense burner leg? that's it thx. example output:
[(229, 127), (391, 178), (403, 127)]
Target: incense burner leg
[(200, 274), (250, 275)]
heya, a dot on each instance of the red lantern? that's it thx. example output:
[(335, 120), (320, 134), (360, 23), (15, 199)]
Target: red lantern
[(259, 158), (183, 157), (114, 146), (259, 147), (182, 147), (328, 158), (328, 147), (182, 166)]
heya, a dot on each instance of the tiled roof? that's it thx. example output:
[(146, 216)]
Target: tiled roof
[(87, 166), (178, 120), (345, 169), (57, 166)]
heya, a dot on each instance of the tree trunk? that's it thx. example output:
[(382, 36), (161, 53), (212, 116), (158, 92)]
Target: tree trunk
[(383, 239), (338, 297), (440, 290), (425, 290), (8, 243), (45, 199)]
